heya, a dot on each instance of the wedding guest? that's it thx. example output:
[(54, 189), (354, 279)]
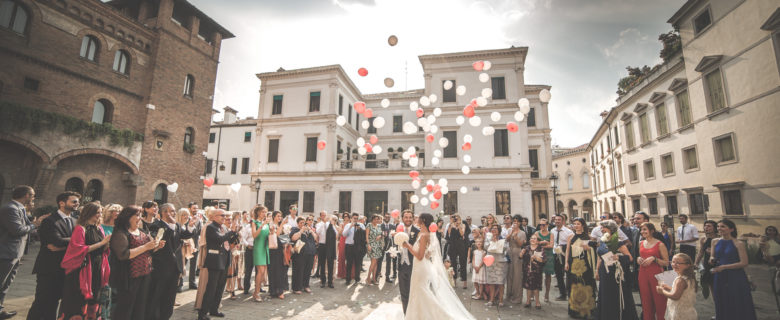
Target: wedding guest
[(636, 237), (305, 240), (529, 230), (387, 229), (545, 241), (196, 215), (532, 258), (261, 230), (624, 228), (292, 218), (457, 242), (110, 212), (769, 245), (490, 220), (652, 259), (203, 273), (703, 257), (183, 218), (352, 248), (478, 273), (514, 277), (131, 265), (248, 242), (342, 257), (375, 245), (327, 229), (55, 232), (236, 265), (561, 234), (277, 271), (215, 263), (682, 295), (687, 236), (611, 276), (666, 238), (150, 214), (88, 251), (580, 268), (733, 299), (506, 228), (496, 273)]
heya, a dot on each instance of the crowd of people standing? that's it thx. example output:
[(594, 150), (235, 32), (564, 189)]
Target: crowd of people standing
[(116, 262)]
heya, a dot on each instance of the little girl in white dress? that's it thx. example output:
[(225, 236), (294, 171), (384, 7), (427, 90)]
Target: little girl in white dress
[(682, 295)]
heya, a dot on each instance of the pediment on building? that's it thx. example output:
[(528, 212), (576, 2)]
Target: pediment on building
[(625, 116), (708, 62), (657, 97), (678, 83), (640, 107)]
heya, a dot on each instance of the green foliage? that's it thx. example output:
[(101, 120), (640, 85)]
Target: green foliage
[(672, 44), (189, 147), (671, 47), (14, 117)]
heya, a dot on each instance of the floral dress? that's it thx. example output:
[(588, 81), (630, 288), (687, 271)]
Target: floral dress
[(533, 268), (582, 289), (377, 245)]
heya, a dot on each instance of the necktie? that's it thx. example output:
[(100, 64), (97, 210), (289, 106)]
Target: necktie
[(69, 223), (405, 255)]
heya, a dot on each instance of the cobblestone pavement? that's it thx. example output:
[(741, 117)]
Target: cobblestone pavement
[(373, 302)]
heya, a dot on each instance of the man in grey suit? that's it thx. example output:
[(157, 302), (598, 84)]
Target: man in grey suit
[(14, 228)]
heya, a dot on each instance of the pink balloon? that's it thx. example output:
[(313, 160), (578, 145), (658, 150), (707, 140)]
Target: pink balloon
[(429, 138), (360, 107), (208, 182), (488, 260), (468, 111), (466, 146), (414, 174), (434, 205), (429, 187), (420, 112), (373, 139), (478, 65), (437, 195), (368, 113), (363, 72), (400, 228), (511, 126), (321, 145), (368, 147), (395, 213), (433, 227)]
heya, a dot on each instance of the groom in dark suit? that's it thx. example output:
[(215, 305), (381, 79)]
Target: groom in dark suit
[(217, 259), (405, 259)]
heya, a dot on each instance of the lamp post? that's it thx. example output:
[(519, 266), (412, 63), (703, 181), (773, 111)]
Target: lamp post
[(218, 166), (257, 190), (554, 185)]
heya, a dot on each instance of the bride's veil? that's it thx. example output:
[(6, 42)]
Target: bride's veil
[(440, 283)]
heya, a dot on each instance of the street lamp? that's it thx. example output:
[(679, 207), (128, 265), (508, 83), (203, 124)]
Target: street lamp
[(554, 185), (257, 190)]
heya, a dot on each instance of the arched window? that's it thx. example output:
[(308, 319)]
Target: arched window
[(102, 111), (161, 194), (188, 135), (122, 62), (189, 85), (94, 191), (89, 48), (75, 185), (13, 16), (570, 181), (585, 181)]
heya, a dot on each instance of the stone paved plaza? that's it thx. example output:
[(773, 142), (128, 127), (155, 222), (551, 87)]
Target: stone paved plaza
[(365, 302)]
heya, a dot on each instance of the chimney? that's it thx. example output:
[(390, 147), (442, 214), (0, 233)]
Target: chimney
[(231, 115)]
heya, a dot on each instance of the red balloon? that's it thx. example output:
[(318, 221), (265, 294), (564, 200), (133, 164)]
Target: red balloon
[(434, 205), (360, 107), (429, 138), (420, 112), (429, 187), (363, 72), (321, 145), (511, 126), (414, 174), (400, 228), (208, 182), (478, 65), (433, 227), (368, 148), (473, 103), (368, 113), (412, 155), (466, 146), (437, 195), (468, 111), (436, 187), (395, 214), (488, 260), (373, 139)]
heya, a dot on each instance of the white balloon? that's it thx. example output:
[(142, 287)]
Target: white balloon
[(437, 112), (461, 90), (484, 77), (377, 149), (364, 124), (523, 102), (495, 116), (433, 98), (444, 142), (525, 109), (236, 186), (362, 151), (447, 85), (475, 121), (405, 156), (445, 190), (431, 119), (414, 198), (424, 201), (519, 116), (467, 159), (437, 153), (410, 128), (465, 169), (482, 101), (434, 128), (443, 182), (360, 141), (379, 122), (425, 101), (416, 184), (175, 186), (385, 103), (463, 189), (414, 106), (414, 161), (426, 127), (412, 150), (544, 96), (431, 197), (435, 161), (341, 120), (486, 131), (459, 120), (430, 181), (423, 191), (487, 92), (422, 121), (468, 138)]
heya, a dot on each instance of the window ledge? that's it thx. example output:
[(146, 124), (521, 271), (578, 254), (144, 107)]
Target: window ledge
[(725, 163), (187, 96), (686, 127), (634, 181), (650, 179), (119, 74), (668, 175), (665, 136), (646, 144), (90, 61), (717, 113), (691, 170), (630, 150)]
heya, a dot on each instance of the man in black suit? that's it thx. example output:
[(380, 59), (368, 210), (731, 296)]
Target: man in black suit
[(326, 249), (217, 258), (458, 238), (14, 228), (194, 216), (167, 263), (406, 259), (387, 228), (55, 234), (354, 242), (529, 230)]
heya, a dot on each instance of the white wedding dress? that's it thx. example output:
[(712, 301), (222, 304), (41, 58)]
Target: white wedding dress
[(430, 294)]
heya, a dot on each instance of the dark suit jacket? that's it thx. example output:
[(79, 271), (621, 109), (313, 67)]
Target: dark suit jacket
[(330, 242), (217, 256), (168, 260), (386, 229), (55, 231), (529, 231), (14, 228), (456, 241), (360, 240)]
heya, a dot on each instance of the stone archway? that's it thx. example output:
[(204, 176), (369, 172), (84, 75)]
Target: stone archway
[(587, 209), (572, 207), (21, 164), (107, 175)]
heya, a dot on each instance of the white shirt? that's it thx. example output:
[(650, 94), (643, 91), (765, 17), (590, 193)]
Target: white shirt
[(687, 232), (597, 233), (561, 240), (322, 231), (349, 232), (471, 234), (290, 221), (505, 232), (246, 235)]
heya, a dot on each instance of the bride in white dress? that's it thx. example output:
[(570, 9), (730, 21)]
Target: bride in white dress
[(430, 293)]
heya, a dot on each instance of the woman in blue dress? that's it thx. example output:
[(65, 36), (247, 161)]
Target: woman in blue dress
[(732, 296)]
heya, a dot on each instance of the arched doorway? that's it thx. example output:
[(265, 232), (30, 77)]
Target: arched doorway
[(161, 194), (587, 210), (20, 165), (572, 207), (96, 177), (559, 207)]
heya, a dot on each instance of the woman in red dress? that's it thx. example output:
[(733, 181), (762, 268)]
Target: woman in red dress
[(341, 272), (653, 257)]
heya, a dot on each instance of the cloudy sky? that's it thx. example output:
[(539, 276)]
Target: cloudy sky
[(579, 47)]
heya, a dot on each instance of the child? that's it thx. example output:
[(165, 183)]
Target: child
[(478, 274), (450, 272), (682, 295)]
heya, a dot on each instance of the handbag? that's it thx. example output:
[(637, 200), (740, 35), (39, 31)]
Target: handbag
[(299, 246), (496, 246), (287, 254), (272, 243)]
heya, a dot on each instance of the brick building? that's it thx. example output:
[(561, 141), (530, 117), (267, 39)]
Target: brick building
[(112, 100)]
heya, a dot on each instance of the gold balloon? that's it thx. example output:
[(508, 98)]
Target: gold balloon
[(392, 40), (389, 82)]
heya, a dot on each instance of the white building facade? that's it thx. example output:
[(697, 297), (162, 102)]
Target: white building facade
[(509, 171), (572, 167)]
